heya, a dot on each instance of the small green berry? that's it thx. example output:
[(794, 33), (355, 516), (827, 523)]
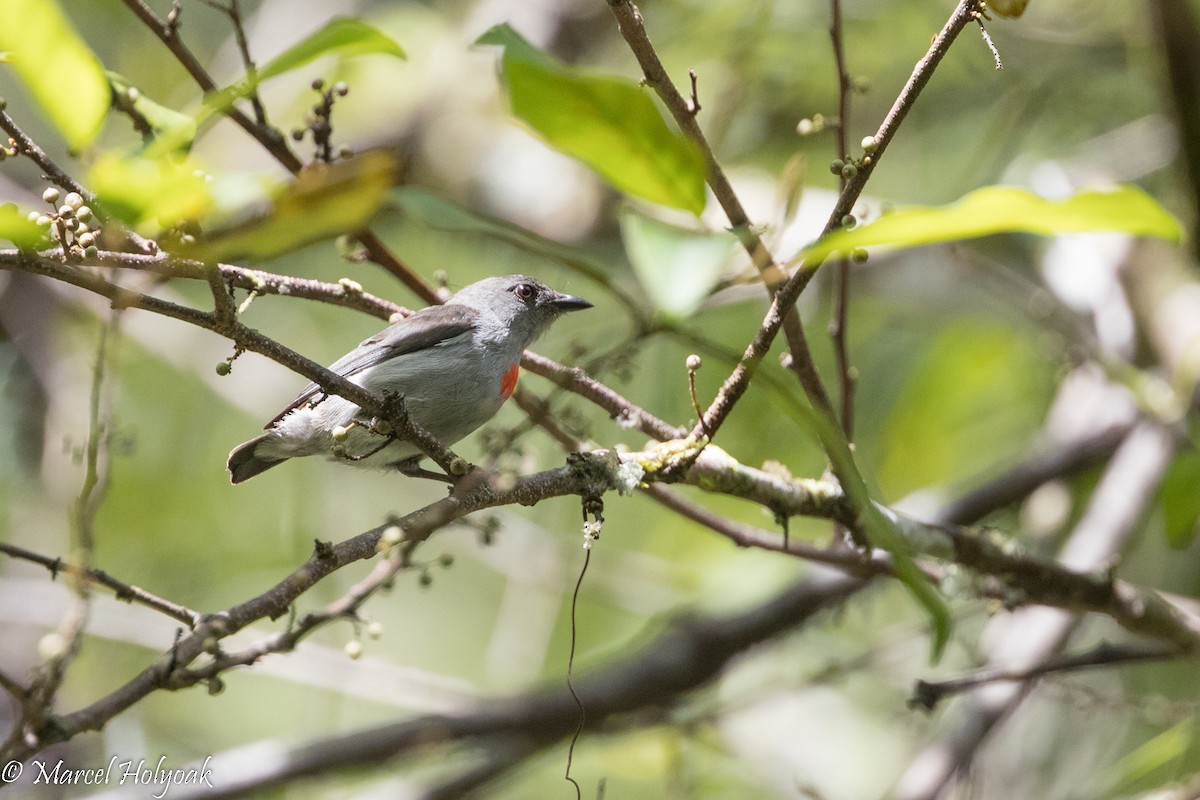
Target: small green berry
[(836, 166), (224, 368), (426, 579), (92, 252), (849, 171), (446, 560), (318, 84), (858, 255), (849, 221)]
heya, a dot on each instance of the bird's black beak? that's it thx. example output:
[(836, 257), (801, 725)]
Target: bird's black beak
[(566, 302)]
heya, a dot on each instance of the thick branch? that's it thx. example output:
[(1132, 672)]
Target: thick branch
[(686, 656)]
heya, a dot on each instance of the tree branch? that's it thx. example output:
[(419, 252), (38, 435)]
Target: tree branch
[(686, 656)]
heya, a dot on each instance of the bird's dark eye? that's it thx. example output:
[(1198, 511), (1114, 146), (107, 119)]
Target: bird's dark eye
[(525, 292)]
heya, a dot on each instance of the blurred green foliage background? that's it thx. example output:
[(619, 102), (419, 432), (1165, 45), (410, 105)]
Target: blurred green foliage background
[(959, 348)]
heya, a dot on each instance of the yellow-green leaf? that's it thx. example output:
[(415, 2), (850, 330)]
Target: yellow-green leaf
[(150, 193), (1155, 756), (55, 64), (326, 200), (1007, 209), (340, 36), (16, 228), (608, 123)]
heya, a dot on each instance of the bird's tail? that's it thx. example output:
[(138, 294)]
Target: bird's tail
[(245, 462)]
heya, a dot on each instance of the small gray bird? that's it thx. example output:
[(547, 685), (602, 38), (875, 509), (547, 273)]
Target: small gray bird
[(454, 364)]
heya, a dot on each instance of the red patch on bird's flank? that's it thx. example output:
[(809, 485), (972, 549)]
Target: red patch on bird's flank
[(508, 384)]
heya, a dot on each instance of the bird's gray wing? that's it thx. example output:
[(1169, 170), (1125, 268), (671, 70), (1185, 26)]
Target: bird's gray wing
[(428, 327)]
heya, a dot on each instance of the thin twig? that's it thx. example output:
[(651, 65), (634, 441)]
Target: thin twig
[(840, 324), (63, 179), (928, 694), (735, 385), (233, 11), (68, 638), (123, 591), (629, 21)]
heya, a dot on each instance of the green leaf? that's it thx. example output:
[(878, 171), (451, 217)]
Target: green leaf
[(324, 201), (1006, 209), (342, 36), (879, 528), (608, 123), (1180, 499), (1158, 755), (16, 228), (173, 131), (56, 65), (677, 267), (150, 193)]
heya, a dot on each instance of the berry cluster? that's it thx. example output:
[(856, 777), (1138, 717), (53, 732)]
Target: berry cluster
[(318, 122), (69, 223)]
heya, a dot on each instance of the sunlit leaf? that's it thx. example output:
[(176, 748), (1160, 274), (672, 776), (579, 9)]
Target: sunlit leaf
[(677, 267), (608, 123), (56, 65), (150, 193), (171, 129), (1179, 496), (1007, 209), (341, 36), (324, 201), (16, 228)]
